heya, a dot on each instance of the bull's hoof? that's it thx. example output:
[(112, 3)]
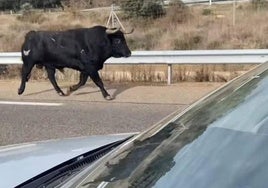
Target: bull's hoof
[(61, 94), (20, 91), (108, 98)]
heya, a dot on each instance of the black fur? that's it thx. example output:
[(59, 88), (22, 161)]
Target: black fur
[(84, 49)]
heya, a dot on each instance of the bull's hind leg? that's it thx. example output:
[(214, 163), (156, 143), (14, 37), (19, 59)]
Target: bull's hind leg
[(25, 75), (82, 81), (51, 76), (94, 75)]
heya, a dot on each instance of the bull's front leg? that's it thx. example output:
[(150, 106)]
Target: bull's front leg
[(94, 75), (51, 76)]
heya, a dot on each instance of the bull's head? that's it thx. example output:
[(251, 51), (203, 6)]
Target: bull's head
[(118, 42)]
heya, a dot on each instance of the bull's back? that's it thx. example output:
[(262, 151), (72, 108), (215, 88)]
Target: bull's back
[(44, 46)]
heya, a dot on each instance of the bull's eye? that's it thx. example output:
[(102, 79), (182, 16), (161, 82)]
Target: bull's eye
[(117, 41)]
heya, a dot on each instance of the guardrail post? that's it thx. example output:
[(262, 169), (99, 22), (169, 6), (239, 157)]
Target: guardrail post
[(169, 79)]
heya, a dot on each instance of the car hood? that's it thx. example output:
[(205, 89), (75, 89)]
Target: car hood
[(19, 163)]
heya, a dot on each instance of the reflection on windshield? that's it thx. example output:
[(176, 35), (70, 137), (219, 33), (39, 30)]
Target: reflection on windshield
[(138, 152), (212, 145)]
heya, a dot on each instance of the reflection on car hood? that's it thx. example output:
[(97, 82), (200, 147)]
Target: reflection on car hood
[(220, 141), (18, 163)]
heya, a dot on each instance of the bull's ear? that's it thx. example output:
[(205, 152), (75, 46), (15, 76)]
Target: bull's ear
[(112, 30)]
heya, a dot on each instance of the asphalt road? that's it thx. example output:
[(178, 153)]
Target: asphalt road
[(40, 114)]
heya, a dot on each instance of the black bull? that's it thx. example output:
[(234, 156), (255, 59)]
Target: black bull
[(84, 49)]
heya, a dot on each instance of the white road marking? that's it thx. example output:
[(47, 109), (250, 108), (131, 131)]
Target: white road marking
[(30, 103)]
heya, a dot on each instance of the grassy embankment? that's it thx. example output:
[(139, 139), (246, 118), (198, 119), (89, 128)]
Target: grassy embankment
[(197, 27)]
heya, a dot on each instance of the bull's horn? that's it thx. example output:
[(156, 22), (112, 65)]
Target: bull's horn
[(112, 30), (131, 31)]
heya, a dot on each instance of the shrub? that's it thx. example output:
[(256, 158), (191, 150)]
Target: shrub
[(259, 4), (177, 12), (206, 12), (3, 69), (142, 8), (152, 9), (81, 4), (131, 7), (187, 42), (26, 7)]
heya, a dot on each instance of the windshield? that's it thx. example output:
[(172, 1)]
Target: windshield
[(220, 142)]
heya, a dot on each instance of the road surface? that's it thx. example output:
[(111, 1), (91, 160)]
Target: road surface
[(40, 114)]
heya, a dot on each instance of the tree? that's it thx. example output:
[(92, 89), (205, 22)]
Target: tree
[(152, 9), (143, 8)]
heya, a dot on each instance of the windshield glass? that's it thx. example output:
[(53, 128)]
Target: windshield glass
[(220, 142)]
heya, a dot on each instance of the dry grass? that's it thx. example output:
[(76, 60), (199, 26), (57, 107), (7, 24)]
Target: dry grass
[(144, 73), (183, 29), (14, 27), (198, 31), (196, 27)]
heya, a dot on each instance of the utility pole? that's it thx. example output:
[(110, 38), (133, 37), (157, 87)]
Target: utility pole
[(113, 20)]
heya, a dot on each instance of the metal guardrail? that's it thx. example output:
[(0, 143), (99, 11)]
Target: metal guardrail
[(174, 57)]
